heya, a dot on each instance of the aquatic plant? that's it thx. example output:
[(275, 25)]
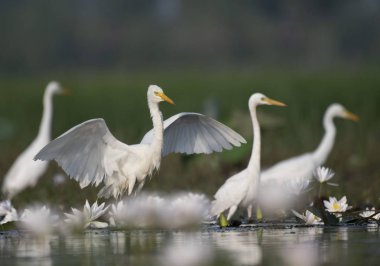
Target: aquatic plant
[(154, 211), (7, 212), (309, 218), (334, 206), (323, 174), (118, 214), (40, 221), (88, 217), (370, 213), (186, 209)]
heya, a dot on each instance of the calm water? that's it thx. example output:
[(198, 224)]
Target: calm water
[(210, 246)]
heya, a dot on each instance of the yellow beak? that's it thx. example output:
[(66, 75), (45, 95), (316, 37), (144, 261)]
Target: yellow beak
[(274, 102), (165, 98), (351, 116)]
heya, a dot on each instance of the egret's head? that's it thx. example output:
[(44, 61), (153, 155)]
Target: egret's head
[(156, 95), (338, 110), (261, 99), (55, 87)]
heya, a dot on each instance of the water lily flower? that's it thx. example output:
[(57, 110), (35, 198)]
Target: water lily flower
[(173, 211), (186, 209), (309, 218), (333, 205), (118, 214), (323, 174), (88, 217), (39, 220), (369, 212), (145, 211), (7, 212)]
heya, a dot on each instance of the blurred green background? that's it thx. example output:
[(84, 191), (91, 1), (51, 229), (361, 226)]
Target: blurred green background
[(209, 57)]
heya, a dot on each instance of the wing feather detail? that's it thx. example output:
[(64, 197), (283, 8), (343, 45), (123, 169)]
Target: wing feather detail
[(191, 133), (81, 151)]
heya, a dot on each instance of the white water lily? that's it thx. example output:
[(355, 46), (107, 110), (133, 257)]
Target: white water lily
[(334, 205), (369, 212), (173, 211), (118, 214), (323, 174), (7, 212), (186, 210), (309, 218), (88, 217), (39, 220), (145, 211)]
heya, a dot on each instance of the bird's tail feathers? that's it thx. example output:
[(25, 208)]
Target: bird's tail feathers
[(111, 190)]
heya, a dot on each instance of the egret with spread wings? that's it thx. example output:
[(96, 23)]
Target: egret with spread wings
[(90, 154)]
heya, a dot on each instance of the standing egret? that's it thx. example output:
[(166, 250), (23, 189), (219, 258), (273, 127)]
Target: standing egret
[(303, 166), (25, 171), (235, 189), (90, 154)]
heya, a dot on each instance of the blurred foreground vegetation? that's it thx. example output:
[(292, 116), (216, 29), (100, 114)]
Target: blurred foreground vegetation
[(120, 98)]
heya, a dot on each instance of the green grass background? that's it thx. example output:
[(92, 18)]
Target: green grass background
[(120, 98)]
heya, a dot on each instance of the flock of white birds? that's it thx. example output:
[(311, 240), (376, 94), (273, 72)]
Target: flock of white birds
[(91, 155)]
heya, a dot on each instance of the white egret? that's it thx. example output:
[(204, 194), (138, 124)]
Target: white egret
[(235, 189), (25, 171), (303, 166), (90, 154)]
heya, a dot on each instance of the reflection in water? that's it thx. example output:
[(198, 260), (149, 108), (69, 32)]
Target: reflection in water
[(300, 254), (90, 242), (342, 234), (187, 249), (30, 247), (241, 246), (117, 242), (34, 251)]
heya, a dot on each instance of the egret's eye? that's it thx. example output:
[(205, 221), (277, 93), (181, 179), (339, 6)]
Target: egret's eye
[(263, 98), (156, 93)]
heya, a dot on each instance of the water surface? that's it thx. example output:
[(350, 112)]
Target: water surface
[(282, 245)]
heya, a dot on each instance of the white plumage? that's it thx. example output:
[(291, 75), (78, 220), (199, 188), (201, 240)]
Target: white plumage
[(25, 172), (234, 191), (90, 154), (303, 166)]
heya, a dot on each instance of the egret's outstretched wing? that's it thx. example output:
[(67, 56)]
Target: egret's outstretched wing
[(195, 133), (82, 151)]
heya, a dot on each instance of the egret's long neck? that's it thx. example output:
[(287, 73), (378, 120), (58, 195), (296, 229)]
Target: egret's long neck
[(45, 126), (254, 162), (324, 148), (157, 127)]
